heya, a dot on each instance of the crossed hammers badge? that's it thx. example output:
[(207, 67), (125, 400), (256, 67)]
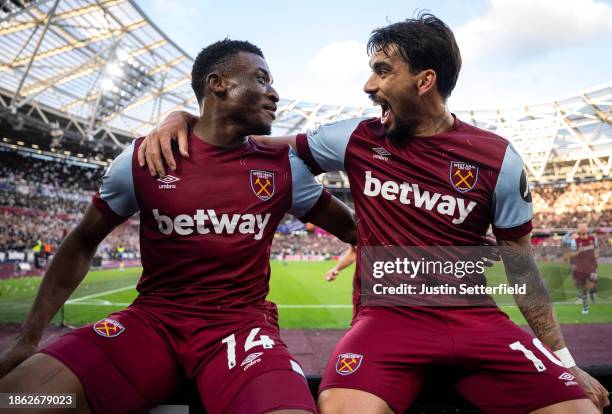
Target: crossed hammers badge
[(262, 184), (463, 176)]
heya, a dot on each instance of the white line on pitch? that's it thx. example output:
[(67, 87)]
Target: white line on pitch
[(102, 303), (313, 306), (107, 303), (95, 295)]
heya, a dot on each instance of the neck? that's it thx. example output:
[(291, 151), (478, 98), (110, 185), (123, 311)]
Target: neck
[(435, 120), (218, 130)]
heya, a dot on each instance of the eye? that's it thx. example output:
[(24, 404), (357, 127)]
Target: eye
[(262, 80)]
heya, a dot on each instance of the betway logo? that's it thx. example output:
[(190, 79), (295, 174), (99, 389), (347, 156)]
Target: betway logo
[(206, 221), (444, 204)]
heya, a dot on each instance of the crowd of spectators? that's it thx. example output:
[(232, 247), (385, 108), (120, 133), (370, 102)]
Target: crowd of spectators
[(307, 244), (42, 199), (45, 185), (559, 207)]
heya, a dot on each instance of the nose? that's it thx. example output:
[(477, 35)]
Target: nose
[(371, 85), (273, 95)]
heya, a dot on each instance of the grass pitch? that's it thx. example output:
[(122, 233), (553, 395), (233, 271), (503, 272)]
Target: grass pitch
[(304, 297)]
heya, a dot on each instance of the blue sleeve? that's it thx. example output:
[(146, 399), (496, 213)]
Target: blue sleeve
[(324, 148), (117, 189), (305, 190), (512, 198)]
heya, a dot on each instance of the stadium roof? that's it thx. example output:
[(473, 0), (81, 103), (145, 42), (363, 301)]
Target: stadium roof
[(559, 140), (112, 74), (103, 63)]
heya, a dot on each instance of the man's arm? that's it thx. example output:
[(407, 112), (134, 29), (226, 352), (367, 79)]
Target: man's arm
[(345, 261), (536, 307), (157, 146), (336, 218), (66, 271), (323, 148)]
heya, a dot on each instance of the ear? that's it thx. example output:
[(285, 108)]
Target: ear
[(426, 81), (215, 83)]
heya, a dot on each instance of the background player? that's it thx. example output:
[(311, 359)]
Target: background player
[(201, 309), (444, 183), (584, 264), (347, 259)]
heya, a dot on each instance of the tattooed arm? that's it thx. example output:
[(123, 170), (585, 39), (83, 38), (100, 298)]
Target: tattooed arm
[(535, 304), (536, 307)]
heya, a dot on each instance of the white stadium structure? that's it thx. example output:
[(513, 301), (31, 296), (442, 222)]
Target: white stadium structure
[(80, 78)]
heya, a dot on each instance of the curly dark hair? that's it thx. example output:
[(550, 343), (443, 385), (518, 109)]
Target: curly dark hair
[(425, 42), (214, 57)]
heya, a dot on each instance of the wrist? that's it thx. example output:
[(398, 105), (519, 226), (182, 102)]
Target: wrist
[(29, 336), (565, 357)]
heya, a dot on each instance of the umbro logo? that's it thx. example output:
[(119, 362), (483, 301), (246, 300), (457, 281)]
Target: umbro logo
[(568, 378), (251, 360), (167, 182), (381, 153)]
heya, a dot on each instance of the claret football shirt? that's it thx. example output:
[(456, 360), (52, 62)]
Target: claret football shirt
[(206, 228)]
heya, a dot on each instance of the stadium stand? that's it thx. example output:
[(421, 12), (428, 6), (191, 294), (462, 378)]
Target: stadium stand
[(42, 198)]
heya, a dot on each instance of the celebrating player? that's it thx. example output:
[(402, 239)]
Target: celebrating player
[(205, 236), (442, 182)]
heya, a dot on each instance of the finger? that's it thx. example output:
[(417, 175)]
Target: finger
[(166, 149), (150, 164), (141, 153), (598, 400), (605, 396), (182, 142), (157, 161)]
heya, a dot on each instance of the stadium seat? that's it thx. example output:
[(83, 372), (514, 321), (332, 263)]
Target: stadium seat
[(437, 397)]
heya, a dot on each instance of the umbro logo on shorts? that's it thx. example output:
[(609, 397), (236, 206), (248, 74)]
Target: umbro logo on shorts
[(250, 358), (568, 378), (348, 363), (108, 328)]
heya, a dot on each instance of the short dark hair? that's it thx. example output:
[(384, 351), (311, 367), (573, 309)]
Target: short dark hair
[(215, 56), (425, 42)]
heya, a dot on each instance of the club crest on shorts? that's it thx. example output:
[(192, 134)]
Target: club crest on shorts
[(108, 328), (348, 363), (463, 176), (262, 184)]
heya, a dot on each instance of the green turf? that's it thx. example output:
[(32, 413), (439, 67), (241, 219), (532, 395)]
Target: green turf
[(293, 284)]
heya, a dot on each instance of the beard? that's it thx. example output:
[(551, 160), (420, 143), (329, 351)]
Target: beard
[(401, 132), (405, 123)]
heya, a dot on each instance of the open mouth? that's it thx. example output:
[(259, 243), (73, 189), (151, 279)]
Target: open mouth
[(385, 108), (386, 112)]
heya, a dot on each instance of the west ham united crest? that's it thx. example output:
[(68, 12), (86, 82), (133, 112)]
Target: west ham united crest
[(262, 184), (463, 176), (108, 328), (348, 363)]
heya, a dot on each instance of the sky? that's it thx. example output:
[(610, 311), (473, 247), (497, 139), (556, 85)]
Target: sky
[(515, 52)]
